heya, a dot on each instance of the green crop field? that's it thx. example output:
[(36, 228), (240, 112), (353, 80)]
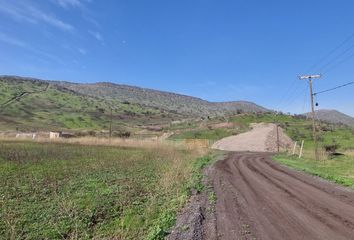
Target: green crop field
[(71, 191)]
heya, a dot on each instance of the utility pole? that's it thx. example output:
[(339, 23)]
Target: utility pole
[(278, 144), (110, 124), (314, 132)]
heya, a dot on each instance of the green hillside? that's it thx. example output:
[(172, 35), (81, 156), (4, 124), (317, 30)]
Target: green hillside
[(60, 108), (178, 103)]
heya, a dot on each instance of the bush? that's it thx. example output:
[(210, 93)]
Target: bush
[(331, 148), (122, 134)]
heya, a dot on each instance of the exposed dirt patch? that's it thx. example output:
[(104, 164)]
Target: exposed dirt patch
[(222, 125), (197, 220), (262, 138), (260, 199)]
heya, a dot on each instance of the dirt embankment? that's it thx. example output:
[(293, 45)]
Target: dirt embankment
[(262, 138), (259, 199), (197, 220)]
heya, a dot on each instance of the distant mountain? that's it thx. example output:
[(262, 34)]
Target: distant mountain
[(190, 106), (333, 116), (66, 105)]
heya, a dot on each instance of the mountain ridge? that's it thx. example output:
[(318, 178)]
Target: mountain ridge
[(67, 105), (153, 98), (333, 116)]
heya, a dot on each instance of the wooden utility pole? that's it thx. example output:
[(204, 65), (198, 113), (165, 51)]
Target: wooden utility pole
[(110, 124), (314, 133)]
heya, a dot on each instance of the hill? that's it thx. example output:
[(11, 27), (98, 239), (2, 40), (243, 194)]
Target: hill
[(187, 105), (333, 116), (59, 108), (67, 105)]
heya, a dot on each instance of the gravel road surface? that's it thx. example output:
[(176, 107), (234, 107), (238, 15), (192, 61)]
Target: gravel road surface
[(260, 199), (262, 138)]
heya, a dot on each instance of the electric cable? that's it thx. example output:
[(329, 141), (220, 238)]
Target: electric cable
[(334, 88)]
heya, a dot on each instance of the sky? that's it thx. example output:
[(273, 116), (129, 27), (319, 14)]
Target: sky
[(218, 50)]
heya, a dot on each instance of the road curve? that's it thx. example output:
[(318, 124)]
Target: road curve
[(262, 138), (259, 199)]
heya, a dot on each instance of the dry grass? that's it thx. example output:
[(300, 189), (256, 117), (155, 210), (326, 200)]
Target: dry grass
[(200, 145), (92, 188)]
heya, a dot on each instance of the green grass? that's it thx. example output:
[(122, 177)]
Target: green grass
[(214, 134), (339, 169), (336, 169), (56, 191), (58, 108)]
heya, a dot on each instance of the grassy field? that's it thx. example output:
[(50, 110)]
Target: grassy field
[(72, 191), (213, 134), (338, 169)]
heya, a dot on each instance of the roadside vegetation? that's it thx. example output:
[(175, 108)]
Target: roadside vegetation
[(336, 149), (77, 191), (213, 134), (338, 169)]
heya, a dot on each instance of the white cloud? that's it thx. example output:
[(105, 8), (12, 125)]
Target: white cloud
[(82, 51), (17, 43), (31, 14), (70, 3), (96, 35), (51, 20), (9, 40), (15, 12)]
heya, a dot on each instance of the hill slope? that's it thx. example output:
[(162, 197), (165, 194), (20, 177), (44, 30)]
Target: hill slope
[(333, 116), (59, 108), (67, 105), (183, 104)]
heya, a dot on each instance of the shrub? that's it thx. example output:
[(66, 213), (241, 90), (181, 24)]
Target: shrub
[(331, 148)]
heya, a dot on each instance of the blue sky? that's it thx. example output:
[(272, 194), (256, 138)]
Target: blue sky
[(217, 50)]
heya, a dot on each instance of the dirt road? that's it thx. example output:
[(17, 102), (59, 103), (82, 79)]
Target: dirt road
[(259, 199), (262, 138)]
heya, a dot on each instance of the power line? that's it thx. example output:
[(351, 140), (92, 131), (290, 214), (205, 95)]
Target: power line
[(288, 93), (333, 56), (305, 101), (331, 89), (299, 90), (339, 63), (328, 64), (313, 67)]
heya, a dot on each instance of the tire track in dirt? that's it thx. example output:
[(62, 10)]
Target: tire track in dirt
[(260, 199)]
